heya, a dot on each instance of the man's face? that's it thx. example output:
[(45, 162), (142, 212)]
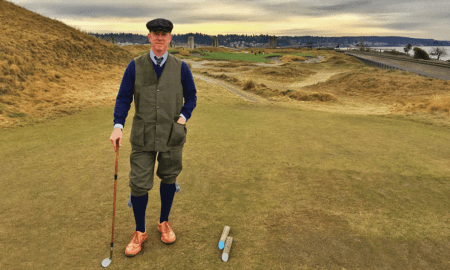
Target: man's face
[(159, 40)]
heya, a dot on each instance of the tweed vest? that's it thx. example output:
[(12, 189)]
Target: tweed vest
[(158, 104)]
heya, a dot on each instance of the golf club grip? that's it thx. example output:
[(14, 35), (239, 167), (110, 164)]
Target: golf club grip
[(117, 163)]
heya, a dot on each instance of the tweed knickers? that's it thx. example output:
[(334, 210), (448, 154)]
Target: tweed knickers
[(143, 167)]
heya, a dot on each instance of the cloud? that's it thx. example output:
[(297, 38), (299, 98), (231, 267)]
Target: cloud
[(403, 25), (84, 10), (294, 17)]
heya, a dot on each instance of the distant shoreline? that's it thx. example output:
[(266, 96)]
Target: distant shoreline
[(411, 52)]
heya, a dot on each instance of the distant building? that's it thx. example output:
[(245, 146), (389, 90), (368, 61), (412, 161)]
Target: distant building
[(215, 42), (272, 41), (191, 44)]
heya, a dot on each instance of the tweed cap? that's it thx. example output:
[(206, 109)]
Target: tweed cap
[(160, 25)]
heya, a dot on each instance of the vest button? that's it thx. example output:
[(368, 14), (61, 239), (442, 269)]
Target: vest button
[(157, 90)]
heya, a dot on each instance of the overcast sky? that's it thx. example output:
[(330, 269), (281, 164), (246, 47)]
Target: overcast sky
[(408, 18)]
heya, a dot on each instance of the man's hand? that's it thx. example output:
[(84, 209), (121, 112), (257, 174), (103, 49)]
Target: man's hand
[(116, 135), (181, 121)]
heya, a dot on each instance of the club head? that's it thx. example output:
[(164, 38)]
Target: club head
[(106, 262)]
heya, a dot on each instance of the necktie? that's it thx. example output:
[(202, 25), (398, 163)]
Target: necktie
[(158, 60)]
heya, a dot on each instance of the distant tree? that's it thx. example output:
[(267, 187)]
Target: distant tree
[(438, 52), (309, 45), (420, 54), (111, 39), (407, 48), (361, 44)]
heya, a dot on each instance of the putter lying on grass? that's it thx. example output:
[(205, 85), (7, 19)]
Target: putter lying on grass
[(106, 262)]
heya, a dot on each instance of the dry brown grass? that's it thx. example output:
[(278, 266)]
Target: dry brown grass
[(384, 86), (184, 53), (248, 84), (263, 90), (292, 58), (231, 64), (315, 96), (216, 49), (354, 85), (136, 49), (285, 73), (47, 67)]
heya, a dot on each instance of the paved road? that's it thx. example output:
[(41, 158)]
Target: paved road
[(421, 69)]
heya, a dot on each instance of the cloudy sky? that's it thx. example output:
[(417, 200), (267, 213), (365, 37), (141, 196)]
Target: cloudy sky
[(408, 18)]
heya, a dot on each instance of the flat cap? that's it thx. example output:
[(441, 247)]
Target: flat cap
[(160, 25)]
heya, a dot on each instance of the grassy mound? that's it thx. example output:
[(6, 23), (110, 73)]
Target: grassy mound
[(407, 92), (41, 59)]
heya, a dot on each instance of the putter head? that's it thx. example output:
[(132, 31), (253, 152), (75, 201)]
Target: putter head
[(106, 262)]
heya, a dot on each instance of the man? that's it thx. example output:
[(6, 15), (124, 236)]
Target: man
[(158, 82)]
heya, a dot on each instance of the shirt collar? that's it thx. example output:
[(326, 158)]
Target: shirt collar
[(152, 56)]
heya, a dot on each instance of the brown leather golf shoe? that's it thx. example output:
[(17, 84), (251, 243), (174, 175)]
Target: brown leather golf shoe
[(167, 235), (135, 246)]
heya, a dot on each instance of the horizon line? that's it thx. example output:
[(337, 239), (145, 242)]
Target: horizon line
[(265, 35)]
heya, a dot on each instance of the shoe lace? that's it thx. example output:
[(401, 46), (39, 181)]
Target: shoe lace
[(135, 237), (166, 227)]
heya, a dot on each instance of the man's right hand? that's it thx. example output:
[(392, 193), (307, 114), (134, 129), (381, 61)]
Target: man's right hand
[(116, 135)]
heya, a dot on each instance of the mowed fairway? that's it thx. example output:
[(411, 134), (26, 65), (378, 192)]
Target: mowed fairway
[(300, 189)]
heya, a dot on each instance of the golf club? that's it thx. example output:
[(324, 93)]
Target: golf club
[(106, 262)]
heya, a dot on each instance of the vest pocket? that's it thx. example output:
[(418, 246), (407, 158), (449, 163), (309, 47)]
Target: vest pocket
[(137, 132), (177, 135)]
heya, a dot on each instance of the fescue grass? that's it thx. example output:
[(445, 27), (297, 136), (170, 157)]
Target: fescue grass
[(299, 189), (43, 62), (242, 56)]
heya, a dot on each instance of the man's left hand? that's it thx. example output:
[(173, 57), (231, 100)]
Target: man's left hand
[(181, 121)]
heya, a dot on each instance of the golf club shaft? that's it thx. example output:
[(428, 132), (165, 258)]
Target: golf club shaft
[(115, 191)]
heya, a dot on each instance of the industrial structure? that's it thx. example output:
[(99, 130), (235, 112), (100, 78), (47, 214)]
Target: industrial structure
[(272, 41), (191, 44), (215, 42)]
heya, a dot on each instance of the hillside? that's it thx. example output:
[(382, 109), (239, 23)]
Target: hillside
[(43, 61)]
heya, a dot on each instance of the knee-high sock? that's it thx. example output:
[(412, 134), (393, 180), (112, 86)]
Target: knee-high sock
[(167, 192), (139, 207)]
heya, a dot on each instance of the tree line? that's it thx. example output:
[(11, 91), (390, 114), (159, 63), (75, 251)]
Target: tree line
[(282, 41)]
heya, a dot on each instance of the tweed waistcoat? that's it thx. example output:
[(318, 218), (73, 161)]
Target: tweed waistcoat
[(158, 104)]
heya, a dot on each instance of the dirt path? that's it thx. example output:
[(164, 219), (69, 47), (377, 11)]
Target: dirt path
[(319, 77), (316, 78)]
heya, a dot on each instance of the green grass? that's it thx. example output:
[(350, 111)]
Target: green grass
[(240, 56), (299, 189), (16, 114)]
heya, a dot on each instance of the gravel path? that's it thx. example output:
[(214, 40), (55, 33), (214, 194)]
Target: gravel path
[(421, 69)]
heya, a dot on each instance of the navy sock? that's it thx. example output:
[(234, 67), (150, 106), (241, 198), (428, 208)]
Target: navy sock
[(167, 192), (139, 207)]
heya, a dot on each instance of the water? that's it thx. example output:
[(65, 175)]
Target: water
[(411, 52)]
